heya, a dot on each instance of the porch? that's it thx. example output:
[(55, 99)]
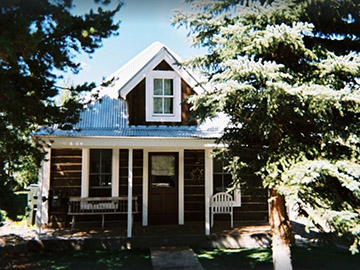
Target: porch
[(114, 236)]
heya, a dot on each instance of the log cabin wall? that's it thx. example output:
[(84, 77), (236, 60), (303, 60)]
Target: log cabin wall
[(194, 185), (136, 103), (65, 181), (254, 205), (137, 177)]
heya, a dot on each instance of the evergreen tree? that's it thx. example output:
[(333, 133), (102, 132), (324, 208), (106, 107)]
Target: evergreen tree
[(37, 40), (287, 74)]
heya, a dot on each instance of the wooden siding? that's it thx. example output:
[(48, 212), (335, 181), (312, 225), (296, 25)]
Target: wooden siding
[(163, 66), (65, 181), (137, 176), (254, 205), (136, 103), (194, 185)]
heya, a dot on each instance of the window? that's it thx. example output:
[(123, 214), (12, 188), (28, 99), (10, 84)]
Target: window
[(163, 96), (163, 170), (222, 180), (100, 172)]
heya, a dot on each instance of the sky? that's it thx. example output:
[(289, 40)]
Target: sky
[(142, 23)]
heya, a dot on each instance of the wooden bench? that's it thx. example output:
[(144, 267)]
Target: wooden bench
[(100, 206)]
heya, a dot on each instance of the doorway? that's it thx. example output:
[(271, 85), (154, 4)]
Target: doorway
[(163, 188)]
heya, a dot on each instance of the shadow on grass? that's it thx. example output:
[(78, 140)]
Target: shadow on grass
[(89, 260), (324, 258)]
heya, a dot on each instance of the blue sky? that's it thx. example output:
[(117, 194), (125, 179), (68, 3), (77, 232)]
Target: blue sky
[(142, 23)]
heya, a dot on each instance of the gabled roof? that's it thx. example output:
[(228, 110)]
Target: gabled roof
[(130, 74), (108, 118)]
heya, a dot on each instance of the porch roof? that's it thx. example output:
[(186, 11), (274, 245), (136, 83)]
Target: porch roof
[(109, 118)]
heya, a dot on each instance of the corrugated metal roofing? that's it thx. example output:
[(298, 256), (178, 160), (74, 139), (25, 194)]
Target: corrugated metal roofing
[(109, 113), (136, 65), (131, 68), (109, 118)]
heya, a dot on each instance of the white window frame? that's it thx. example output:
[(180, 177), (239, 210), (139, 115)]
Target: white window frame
[(236, 192), (149, 104)]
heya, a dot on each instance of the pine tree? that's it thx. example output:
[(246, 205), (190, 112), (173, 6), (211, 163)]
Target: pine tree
[(38, 41), (287, 74)]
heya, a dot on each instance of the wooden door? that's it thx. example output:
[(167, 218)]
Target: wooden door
[(163, 188)]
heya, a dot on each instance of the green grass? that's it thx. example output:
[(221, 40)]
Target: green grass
[(240, 259), (261, 259), (86, 260)]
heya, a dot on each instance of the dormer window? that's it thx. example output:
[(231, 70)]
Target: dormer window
[(163, 96)]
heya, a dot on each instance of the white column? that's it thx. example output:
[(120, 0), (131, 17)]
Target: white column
[(85, 172), (42, 213), (181, 187), (115, 173), (145, 187), (130, 186), (208, 188)]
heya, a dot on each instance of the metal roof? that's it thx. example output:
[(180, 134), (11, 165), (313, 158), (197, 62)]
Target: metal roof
[(109, 118), (135, 70)]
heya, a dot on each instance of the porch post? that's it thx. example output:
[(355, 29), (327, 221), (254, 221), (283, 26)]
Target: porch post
[(130, 186), (208, 188), (145, 187), (85, 160), (44, 185), (181, 187), (115, 173)]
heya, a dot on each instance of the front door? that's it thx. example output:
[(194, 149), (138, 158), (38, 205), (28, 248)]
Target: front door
[(163, 188)]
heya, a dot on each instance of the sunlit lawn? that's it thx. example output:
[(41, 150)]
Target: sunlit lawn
[(303, 258), (241, 259)]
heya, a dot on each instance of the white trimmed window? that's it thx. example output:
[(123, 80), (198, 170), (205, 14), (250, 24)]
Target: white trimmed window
[(222, 181), (163, 96), (100, 172)]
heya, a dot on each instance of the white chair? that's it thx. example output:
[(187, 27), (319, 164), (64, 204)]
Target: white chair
[(221, 203)]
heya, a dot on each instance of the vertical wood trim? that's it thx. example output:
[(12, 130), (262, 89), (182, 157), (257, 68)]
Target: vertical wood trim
[(181, 187), (42, 216), (115, 173), (208, 188), (145, 188), (85, 160), (130, 186)]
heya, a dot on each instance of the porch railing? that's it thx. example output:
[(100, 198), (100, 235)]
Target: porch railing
[(100, 206)]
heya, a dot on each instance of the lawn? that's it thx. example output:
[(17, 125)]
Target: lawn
[(303, 258), (79, 260), (240, 259)]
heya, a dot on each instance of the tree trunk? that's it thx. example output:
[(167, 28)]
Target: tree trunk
[(281, 232)]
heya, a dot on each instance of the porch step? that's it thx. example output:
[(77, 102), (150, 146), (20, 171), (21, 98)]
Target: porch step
[(181, 258)]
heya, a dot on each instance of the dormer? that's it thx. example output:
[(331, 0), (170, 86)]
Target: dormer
[(154, 86)]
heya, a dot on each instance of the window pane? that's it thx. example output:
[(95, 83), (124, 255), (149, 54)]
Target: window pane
[(94, 180), (94, 160), (163, 165), (168, 105), (163, 171), (158, 105), (227, 180), (218, 183), (168, 87), (158, 87), (105, 180), (106, 160), (218, 166)]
